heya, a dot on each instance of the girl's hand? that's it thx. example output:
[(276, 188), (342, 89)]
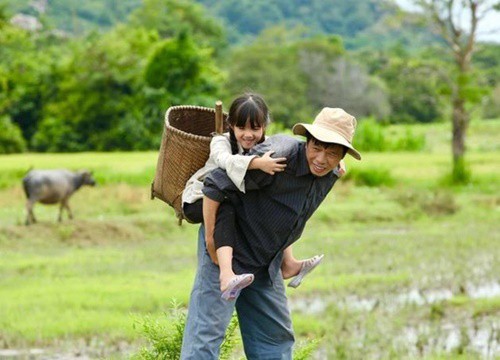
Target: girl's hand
[(340, 169), (268, 164)]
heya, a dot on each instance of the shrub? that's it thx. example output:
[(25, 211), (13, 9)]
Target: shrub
[(56, 135), (165, 336), (371, 177), (11, 138), (305, 351), (370, 137), (409, 142)]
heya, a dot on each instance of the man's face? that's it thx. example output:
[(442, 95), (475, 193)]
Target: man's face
[(322, 160)]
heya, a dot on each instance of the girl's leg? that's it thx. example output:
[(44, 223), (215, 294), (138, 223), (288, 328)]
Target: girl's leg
[(224, 234), (193, 212), (225, 258), (224, 238), (298, 269), (290, 266)]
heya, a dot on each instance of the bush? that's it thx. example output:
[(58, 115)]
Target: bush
[(57, 135), (409, 142), (11, 138), (370, 137), (371, 177), (165, 336)]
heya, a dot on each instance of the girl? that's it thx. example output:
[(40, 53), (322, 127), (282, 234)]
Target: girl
[(247, 120)]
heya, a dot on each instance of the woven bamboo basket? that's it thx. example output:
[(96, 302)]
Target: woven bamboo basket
[(185, 147)]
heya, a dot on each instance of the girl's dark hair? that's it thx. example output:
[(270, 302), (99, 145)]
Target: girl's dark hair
[(247, 107)]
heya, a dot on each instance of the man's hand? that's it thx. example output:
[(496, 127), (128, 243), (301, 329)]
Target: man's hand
[(209, 242), (210, 209)]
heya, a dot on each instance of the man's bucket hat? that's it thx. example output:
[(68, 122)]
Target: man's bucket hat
[(332, 125)]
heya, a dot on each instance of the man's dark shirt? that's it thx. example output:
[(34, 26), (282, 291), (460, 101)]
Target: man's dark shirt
[(271, 215)]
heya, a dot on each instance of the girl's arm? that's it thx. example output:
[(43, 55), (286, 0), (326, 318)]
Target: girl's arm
[(340, 170), (268, 164), (237, 165)]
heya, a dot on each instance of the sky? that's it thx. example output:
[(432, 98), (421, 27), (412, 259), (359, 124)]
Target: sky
[(489, 27)]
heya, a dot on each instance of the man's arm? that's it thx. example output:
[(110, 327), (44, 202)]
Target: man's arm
[(218, 186), (210, 209)]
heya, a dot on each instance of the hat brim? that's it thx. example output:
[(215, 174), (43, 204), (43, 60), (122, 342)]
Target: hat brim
[(326, 135)]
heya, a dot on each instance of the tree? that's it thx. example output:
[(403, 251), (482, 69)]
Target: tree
[(99, 95), (11, 138), (413, 81), (447, 16), (269, 66), (169, 17), (340, 82), (26, 75)]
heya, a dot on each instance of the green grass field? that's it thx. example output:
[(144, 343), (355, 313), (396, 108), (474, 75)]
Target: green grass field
[(411, 269)]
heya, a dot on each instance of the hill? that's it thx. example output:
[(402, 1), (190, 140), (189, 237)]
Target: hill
[(74, 16), (361, 23)]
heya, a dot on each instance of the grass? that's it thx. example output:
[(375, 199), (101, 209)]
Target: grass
[(388, 251)]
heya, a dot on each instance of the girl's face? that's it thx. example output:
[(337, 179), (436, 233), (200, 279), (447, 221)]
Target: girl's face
[(247, 136)]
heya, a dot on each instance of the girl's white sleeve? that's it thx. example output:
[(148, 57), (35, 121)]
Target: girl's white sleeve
[(236, 166)]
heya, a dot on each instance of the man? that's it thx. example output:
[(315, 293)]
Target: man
[(268, 218)]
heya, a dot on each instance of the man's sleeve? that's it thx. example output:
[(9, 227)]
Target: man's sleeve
[(218, 185)]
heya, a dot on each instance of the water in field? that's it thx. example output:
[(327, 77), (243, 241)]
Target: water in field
[(439, 330)]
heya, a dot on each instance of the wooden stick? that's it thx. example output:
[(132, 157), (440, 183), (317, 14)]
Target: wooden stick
[(219, 125)]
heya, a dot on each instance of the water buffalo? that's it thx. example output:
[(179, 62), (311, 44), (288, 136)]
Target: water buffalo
[(52, 187)]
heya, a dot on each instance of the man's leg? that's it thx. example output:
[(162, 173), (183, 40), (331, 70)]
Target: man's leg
[(264, 318), (208, 315)]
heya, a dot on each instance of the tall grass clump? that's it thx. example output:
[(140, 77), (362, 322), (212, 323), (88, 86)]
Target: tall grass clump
[(164, 336), (306, 351), (434, 203), (371, 136), (371, 177), (460, 174), (9, 178), (409, 142)]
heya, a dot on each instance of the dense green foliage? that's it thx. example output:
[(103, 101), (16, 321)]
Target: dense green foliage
[(11, 138), (108, 89), (169, 17)]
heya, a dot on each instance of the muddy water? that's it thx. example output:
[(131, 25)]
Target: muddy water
[(94, 350), (482, 336), (393, 302)]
